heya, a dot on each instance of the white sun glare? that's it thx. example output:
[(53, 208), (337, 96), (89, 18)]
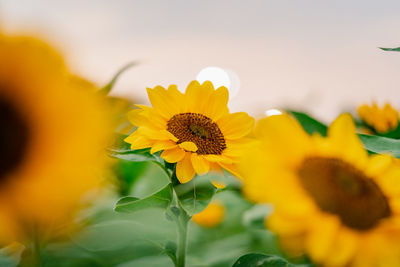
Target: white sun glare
[(220, 77)]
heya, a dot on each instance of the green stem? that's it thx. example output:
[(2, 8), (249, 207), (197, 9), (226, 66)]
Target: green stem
[(182, 224), (31, 257), (37, 252), (181, 219)]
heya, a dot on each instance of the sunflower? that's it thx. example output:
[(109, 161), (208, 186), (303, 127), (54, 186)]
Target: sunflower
[(331, 199), (381, 119), (194, 130), (51, 140)]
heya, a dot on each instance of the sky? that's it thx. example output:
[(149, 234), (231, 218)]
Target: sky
[(317, 56)]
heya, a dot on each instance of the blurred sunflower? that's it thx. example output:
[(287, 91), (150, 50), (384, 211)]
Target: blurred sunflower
[(51, 141), (382, 120), (194, 129), (331, 200), (211, 216)]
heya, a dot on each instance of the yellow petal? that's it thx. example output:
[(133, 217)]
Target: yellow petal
[(162, 145), (197, 97), (152, 118), (213, 158), (232, 168), (345, 245), (389, 181), (218, 184), (378, 164), (217, 106), (284, 225), (200, 165), (321, 238), (188, 146), (173, 155), (166, 101), (184, 169), (284, 137), (344, 140), (211, 216), (235, 148), (138, 141), (136, 117), (157, 134), (236, 125)]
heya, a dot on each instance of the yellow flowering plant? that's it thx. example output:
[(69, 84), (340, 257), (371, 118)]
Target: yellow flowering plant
[(91, 179), (186, 134)]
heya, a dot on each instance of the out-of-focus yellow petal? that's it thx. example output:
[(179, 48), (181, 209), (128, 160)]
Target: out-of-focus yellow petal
[(345, 142), (210, 216), (136, 118), (283, 135), (320, 241), (233, 169)]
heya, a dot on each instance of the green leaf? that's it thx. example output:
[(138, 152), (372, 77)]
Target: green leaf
[(106, 89), (135, 155), (381, 145), (309, 124), (122, 150), (170, 249), (254, 217), (195, 195), (263, 260), (397, 49), (372, 143), (160, 199), (128, 173), (119, 145), (10, 255)]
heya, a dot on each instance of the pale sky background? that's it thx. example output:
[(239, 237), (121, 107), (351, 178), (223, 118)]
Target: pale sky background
[(320, 56)]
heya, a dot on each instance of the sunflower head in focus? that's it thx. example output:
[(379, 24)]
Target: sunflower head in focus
[(52, 137), (331, 199), (381, 119), (194, 130)]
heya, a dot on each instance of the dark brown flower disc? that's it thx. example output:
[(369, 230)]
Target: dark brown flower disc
[(14, 137), (199, 129), (341, 189)]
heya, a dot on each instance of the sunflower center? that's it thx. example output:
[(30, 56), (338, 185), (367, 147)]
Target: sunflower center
[(199, 129), (339, 188), (13, 138)]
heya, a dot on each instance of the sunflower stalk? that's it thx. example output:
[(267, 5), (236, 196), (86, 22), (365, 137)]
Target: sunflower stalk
[(32, 256), (181, 219)]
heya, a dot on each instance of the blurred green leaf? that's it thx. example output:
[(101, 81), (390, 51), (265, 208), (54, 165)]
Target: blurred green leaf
[(397, 49), (106, 89), (127, 173), (160, 199), (255, 216), (309, 124), (10, 255), (372, 143), (170, 250), (195, 195), (136, 155), (122, 150), (381, 145), (263, 260)]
